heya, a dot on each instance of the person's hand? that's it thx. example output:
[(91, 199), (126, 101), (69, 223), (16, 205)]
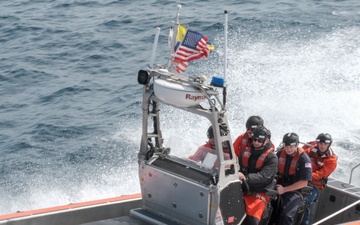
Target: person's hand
[(280, 189), (241, 176)]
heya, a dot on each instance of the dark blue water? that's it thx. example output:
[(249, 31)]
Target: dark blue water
[(70, 105)]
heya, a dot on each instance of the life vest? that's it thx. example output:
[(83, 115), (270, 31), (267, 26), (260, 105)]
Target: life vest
[(292, 169), (259, 162), (255, 202), (327, 153), (242, 143)]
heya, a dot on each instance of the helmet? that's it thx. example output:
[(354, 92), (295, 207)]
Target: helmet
[(253, 121), (261, 132), (291, 139), (210, 132), (324, 137)]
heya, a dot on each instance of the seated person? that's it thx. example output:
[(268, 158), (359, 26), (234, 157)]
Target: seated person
[(258, 168), (294, 174), (208, 147), (243, 142), (324, 162)]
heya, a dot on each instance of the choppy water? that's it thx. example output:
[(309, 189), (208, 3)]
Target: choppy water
[(70, 113)]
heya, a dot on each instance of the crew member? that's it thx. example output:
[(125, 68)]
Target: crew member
[(294, 173), (258, 168), (324, 162), (244, 140), (208, 147)]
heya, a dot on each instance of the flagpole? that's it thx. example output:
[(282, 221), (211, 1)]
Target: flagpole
[(151, 65), (225, 55), (225, 43), (174, 36)]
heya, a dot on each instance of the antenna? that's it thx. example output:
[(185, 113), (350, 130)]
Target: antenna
[(225, 43), (151, 64), (173, 36), (225, 55)]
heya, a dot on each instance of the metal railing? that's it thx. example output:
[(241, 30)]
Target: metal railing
[(336, 213), (343, 209), (352, 170)]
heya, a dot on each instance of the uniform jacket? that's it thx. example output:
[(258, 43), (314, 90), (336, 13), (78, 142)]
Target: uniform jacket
[(322, 165), (259, 178)]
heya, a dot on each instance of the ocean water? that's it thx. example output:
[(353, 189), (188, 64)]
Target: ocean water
[(70, 105)]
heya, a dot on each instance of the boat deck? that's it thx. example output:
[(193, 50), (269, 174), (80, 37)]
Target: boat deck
[(124, 220), (137, 217)]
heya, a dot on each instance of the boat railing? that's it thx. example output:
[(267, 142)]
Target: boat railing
[(352, 170), (336, 213)]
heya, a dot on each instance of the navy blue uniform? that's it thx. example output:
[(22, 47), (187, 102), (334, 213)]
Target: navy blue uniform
[(290, 201)]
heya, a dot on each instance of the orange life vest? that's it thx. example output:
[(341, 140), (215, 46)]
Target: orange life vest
[(255, 202), (313, 153), (242, 143), (294, 161)]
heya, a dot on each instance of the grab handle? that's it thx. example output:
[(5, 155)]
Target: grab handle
[(352, 172)]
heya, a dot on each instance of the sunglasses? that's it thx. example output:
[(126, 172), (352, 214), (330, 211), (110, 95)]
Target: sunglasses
[(260, 140)]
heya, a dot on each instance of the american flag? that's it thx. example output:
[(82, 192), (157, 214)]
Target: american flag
[(180, 67), (192, 47)]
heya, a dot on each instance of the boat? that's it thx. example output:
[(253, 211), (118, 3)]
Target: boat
[(174, 189)]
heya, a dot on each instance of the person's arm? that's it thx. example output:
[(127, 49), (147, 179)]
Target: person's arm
[(325, 171), (200, 153), (295, 186), (266, 174)]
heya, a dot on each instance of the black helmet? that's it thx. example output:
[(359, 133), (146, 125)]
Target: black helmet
[(253, 121), (261, 132), (324, 137), (210, 132), (290, 139)]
